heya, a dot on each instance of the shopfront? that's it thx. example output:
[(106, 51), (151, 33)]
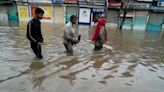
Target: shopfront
[(156, 17), (46, 5), (89, 10), (58, 12), (141, 15), (113, 12), (71, 9), (8, 14)]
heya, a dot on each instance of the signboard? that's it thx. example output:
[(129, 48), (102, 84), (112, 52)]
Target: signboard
[(159, 0), (23, 12), (57, 1), (47, 11), (70, 1), (114, 4), (98, 10), (160, 4), (84, 16), (138, 5), (98, 2), (82, 0), (146, 0), (21, 0), (157, 8), (40, 1), (92, 2)]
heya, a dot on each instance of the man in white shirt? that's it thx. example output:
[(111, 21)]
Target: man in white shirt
[(71, 35)]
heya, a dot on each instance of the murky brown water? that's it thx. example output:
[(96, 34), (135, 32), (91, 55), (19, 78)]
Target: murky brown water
[(135, 64)]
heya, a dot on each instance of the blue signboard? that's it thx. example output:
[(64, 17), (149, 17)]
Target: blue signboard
[(21, 0), (40, 1), (159, 0), (57, 1), (92, 2), (157, 8)]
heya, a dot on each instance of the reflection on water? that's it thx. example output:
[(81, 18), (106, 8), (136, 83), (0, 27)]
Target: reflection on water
[(135, 60)]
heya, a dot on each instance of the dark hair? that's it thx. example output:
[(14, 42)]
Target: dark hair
[(72, 17), (39, 11)]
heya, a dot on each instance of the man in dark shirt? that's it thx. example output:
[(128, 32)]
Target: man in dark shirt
[(34, 32)]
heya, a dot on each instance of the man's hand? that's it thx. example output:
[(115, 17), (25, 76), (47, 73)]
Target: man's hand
[(74, 40), (40, 43)]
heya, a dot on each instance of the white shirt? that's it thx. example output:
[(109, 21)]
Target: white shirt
[(70, 32)]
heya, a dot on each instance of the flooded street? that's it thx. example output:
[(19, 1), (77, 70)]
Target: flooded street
[(131, 61)]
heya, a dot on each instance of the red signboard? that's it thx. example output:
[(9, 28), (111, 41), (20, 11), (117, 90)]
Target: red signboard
[(70, 1), (114, 4)]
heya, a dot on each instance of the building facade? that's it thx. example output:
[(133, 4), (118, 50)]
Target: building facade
[(141, 14)]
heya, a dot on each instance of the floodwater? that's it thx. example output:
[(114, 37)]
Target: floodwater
[(131, 61)]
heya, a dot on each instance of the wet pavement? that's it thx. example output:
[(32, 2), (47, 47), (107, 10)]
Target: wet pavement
[(131, 61)]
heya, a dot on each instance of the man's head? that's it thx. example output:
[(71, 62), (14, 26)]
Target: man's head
[(73, 19), (39, 13)]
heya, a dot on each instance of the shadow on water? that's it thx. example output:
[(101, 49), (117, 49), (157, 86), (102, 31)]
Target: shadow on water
[(36, 65)]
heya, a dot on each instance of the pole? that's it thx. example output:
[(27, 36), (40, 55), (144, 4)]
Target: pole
[(106, 8)]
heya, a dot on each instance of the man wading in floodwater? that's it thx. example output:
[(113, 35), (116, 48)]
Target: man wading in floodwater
[(34, 33), (71, 36)]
